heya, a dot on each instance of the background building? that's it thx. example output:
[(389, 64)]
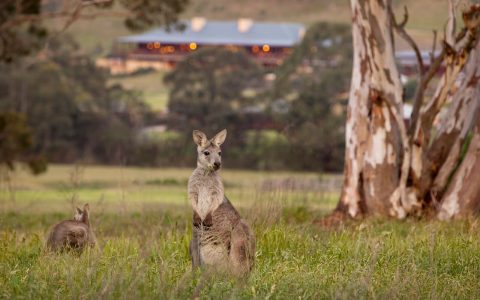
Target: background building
[(269, 43)]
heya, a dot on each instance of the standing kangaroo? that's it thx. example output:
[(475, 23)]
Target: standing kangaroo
[(220, 237), (73, 234)]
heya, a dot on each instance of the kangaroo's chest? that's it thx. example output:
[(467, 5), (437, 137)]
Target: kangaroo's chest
[(205, 201), (209, 197)]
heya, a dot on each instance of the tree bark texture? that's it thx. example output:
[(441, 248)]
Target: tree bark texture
[(392, 171)]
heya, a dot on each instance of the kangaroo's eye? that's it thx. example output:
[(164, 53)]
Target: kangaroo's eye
[(206, 153), (220, 153)]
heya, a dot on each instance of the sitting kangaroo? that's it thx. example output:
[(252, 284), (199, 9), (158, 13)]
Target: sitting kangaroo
[(73, 234), (220, 237)]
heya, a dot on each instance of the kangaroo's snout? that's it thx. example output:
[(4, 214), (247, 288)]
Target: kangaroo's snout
[(217, 165)]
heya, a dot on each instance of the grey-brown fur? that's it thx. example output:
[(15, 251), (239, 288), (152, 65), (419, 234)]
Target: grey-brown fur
[(221, 238), (73, 234)]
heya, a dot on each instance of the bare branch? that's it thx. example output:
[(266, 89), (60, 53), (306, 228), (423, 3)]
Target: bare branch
[(66, 12), (422, 85), (400, 29), (471, 18), (455, 55), (432, 54), (92, 2), (450, 26), (75, 15), (405, 17), (22, 19)]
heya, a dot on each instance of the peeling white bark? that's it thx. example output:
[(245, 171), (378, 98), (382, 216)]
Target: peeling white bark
[(380, 156), (379, 144), (463, 191), (374, 71), (458, 121)]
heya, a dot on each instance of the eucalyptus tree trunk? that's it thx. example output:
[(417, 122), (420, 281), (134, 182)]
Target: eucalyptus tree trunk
[(392, 170)]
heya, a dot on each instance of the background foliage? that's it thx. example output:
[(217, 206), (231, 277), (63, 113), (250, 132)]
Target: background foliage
[(75, 111)]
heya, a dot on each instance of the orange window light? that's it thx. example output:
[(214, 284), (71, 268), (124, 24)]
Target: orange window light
[(266, 48), (192, 46)]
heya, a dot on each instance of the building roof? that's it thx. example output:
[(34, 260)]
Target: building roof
[(408, 57), (241, 32)]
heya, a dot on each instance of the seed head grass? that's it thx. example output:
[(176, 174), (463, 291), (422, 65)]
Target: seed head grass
[(142, 248)]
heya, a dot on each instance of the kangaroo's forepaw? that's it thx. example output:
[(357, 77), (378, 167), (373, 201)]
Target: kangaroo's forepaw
[(197, 221), (208, 222)]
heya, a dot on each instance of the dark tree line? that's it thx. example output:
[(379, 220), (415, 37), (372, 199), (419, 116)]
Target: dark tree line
[(37, 120), (71, 110), (23, 32)]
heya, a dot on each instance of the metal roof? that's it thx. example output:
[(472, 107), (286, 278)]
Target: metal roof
[(224, 33)]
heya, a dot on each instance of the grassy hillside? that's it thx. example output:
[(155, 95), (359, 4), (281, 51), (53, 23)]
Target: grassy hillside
[(425, 16), (141, 218), (96, 36), (150, 84)]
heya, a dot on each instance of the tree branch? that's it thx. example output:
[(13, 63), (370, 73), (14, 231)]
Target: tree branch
[(463, 43), (434, 45), (400, 29), (69, 13), (450, 26)]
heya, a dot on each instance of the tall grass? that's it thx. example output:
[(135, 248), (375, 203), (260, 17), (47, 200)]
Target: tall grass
[(143, 252)]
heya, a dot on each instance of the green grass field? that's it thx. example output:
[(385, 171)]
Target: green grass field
[(155, 92), (142, 218)]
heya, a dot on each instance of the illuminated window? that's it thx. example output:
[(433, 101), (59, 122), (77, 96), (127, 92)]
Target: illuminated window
[(255, 49), (192, 46), (266, 48), (157, 45), (150, 46)]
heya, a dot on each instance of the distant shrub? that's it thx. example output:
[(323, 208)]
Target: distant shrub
[(168, 148), (262, 149), (409, 89)]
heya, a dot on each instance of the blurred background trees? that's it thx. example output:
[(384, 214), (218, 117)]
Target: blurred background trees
[(215, 88), (288, 118), (72, 111), (16, 145), (22, 22), (310, 96), (64, 99)]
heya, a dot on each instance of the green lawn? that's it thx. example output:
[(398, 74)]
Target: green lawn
[(151, 84), (142, 221)]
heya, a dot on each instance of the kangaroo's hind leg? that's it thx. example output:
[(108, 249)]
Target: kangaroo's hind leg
[(242, 249), (195, 242), (195, 250)]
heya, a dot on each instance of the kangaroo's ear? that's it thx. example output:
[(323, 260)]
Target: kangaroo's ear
[(199, 138), (86, 213), (219, 138)]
